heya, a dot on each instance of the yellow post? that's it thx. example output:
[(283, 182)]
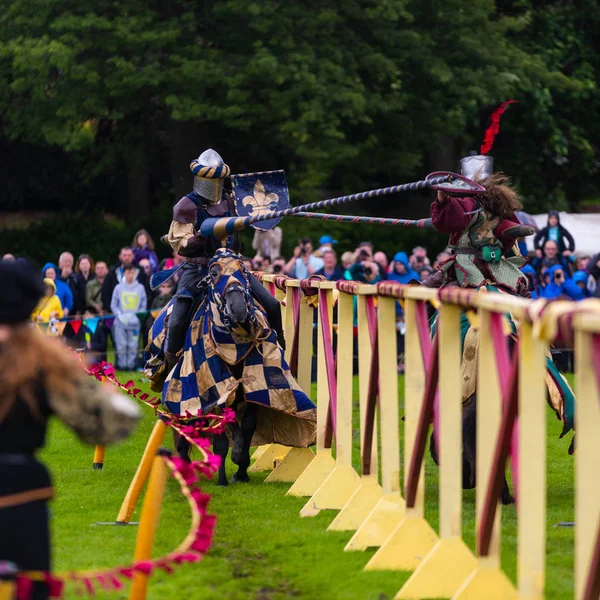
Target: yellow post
[(149, 524), (531, 510), (450, 562), (99, 457), (343, 481), (389, 510), (587, 456), (295, 460), (323, 463), (143, 471), (413, 538), (7, 590), (362, 502), (487, 581)]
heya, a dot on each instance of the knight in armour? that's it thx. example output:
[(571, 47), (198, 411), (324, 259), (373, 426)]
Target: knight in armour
[(208, 199)]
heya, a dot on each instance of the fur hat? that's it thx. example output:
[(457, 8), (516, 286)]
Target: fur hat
[(22, 288)]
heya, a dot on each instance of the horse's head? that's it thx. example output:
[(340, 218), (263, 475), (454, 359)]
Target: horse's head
[(231, 287)]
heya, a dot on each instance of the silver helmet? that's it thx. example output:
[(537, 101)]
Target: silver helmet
[(209, 171), (477, 167)]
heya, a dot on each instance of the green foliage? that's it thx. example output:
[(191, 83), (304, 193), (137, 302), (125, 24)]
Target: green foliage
[(343, 96)]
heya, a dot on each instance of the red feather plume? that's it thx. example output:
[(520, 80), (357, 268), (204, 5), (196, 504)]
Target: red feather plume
[(492, 130)]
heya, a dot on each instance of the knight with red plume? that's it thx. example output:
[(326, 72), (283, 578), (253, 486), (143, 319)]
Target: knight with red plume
[(483, 227)]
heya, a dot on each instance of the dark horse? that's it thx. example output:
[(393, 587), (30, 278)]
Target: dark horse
[(232, 358), (469, 444)]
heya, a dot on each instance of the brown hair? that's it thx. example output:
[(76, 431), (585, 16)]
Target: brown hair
[(134, 244), (81, 257), (29, 359), (500, 198)]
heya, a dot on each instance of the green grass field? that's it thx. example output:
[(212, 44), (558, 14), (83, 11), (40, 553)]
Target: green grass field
[(262, 549)]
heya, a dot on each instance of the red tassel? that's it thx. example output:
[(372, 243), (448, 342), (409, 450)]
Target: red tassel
[(492, 130)]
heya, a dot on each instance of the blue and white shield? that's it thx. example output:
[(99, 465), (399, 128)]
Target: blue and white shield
[(261, 193)]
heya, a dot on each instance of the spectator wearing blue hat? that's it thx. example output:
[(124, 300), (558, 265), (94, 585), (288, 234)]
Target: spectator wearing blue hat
[(326, 242)]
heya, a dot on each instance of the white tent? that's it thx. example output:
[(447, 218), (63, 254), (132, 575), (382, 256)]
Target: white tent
[(585, 229)]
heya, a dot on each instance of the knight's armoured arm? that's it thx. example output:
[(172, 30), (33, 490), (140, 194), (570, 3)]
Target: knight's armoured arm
[(449, 215), (182, 235)]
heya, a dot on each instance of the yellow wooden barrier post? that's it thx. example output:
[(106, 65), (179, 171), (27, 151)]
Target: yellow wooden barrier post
[(531, 510), (149, 523), (413, 538), (587, 455), (99, 451), (487, 581), (450, 562), (389, 510), (323, 464), (362, 502), (343, 481), (143, 471), (295, 460)]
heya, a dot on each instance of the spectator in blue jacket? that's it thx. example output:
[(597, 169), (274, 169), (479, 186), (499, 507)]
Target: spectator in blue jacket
[(577, 286), (529, 271), (400, 270), (63, 291)]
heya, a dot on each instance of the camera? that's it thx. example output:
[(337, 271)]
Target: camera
[(363, 254), (303, 250), (368, 271), (276, 268)]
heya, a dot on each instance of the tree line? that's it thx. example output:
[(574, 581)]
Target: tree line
[(103, 103)]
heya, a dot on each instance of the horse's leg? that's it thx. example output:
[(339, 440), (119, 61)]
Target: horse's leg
[(221, 448), (182, 446), (247, 429), (469, 442)]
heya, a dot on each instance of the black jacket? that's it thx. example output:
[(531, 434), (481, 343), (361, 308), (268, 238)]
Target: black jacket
[(541, 237)]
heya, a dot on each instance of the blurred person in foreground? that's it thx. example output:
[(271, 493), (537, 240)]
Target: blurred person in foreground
[(40, 378), (303, 263), (331, 271)]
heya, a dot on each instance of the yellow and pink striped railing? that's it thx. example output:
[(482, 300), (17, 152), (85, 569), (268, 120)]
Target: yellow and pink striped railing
[(511, 422)]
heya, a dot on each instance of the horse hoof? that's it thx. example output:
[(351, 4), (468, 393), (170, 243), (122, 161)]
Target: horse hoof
[(240, 478), (507, 498), (223, 483), (237, 450)]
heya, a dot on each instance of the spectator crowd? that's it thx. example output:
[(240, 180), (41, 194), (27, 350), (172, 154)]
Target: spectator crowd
[(86, 288)]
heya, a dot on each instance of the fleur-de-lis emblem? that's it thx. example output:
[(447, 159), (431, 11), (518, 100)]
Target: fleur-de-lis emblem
[(260, 202)]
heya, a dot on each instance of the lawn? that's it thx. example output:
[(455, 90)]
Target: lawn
[(262, 549)]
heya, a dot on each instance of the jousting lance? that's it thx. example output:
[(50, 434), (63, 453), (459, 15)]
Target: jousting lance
[(424, 223), (224, 226)]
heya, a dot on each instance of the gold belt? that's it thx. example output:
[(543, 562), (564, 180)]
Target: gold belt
[(24, 497)]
